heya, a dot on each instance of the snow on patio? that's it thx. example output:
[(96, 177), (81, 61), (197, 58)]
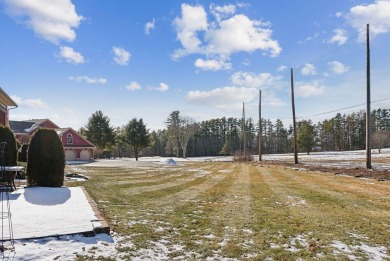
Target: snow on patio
[(48, 222), (42, 212)]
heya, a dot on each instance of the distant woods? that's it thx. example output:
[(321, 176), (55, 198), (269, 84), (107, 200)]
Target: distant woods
[(183, 137)]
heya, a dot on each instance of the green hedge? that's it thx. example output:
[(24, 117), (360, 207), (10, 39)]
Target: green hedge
[(10, 152), (45, 159)]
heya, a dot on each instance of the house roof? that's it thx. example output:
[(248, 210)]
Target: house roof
[(28, 125), (61, 131), (21, 126), (38, 122), (5, 100)]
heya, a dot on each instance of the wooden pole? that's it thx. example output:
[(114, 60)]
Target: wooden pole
[(294, 122), (260, 127), (368, 110), (243, 127)]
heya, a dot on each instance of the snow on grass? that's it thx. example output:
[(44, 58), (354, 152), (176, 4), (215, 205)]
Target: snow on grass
[(295, 201), (225, 170), (374, 253), (297, 243), (210, 236)]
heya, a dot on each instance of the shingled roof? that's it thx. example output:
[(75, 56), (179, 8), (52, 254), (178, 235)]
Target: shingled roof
[(21, 126)]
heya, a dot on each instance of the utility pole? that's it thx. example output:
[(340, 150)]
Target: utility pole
[(368, 110), (260, 126), (294, 122), (243, 127)]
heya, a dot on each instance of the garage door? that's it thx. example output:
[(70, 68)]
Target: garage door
[(84, 155), (70, 155)]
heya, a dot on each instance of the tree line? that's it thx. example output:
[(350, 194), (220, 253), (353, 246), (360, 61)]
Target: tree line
[(183, 137)]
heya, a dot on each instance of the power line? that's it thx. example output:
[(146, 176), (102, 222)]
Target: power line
[(337, 110), (327, 112)]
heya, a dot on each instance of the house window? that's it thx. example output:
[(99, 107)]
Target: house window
[(70, 139)]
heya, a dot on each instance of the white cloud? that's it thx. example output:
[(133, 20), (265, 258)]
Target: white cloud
[(337, 67), (70, 55), (133, 86), (222, 11), (149, 26), (339, 38), (339, 14), (162, 87), (240, 34), (252, 80), (193, 19), (121, 56), (376, 14), (229, 33), (88, 80), (230, 98), (30, 103), (309, 89), (282, 68), (308, 69), (52, 20), (212, 64)]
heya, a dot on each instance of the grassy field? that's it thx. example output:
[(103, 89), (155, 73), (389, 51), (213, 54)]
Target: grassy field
[(232, 211)]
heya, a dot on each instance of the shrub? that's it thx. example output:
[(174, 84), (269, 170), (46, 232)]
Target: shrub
[(23, 153), (45, 159), (10, 152)]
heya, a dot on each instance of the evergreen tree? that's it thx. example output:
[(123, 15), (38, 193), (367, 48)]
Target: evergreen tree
[(136, 135), (99, 132), (173, 127), (306, 135)]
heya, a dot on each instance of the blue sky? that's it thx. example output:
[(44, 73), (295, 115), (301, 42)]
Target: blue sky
[(66, 59)]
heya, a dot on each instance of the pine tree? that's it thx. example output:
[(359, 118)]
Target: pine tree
[(99, 132), (136, 135)]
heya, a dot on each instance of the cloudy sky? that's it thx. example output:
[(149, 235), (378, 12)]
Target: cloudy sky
[(66, 59)]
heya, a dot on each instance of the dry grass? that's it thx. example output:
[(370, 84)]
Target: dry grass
[(241, 212)]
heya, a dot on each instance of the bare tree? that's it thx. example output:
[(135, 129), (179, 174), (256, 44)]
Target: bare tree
[(187, 129), (380, 139)]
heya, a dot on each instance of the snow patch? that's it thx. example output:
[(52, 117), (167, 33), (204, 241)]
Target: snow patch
[(168, 162), (376, 253)]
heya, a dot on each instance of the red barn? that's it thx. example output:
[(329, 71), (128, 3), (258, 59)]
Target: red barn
[(76, 146)]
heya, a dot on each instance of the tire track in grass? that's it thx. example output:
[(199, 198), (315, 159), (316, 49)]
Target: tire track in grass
[(367, 214), (235, 217), (223, 228), (359, 188), (173, 214), (330, 214), (163, 180), (190, 194), (194, 218), (301, 227), (283, 208)]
